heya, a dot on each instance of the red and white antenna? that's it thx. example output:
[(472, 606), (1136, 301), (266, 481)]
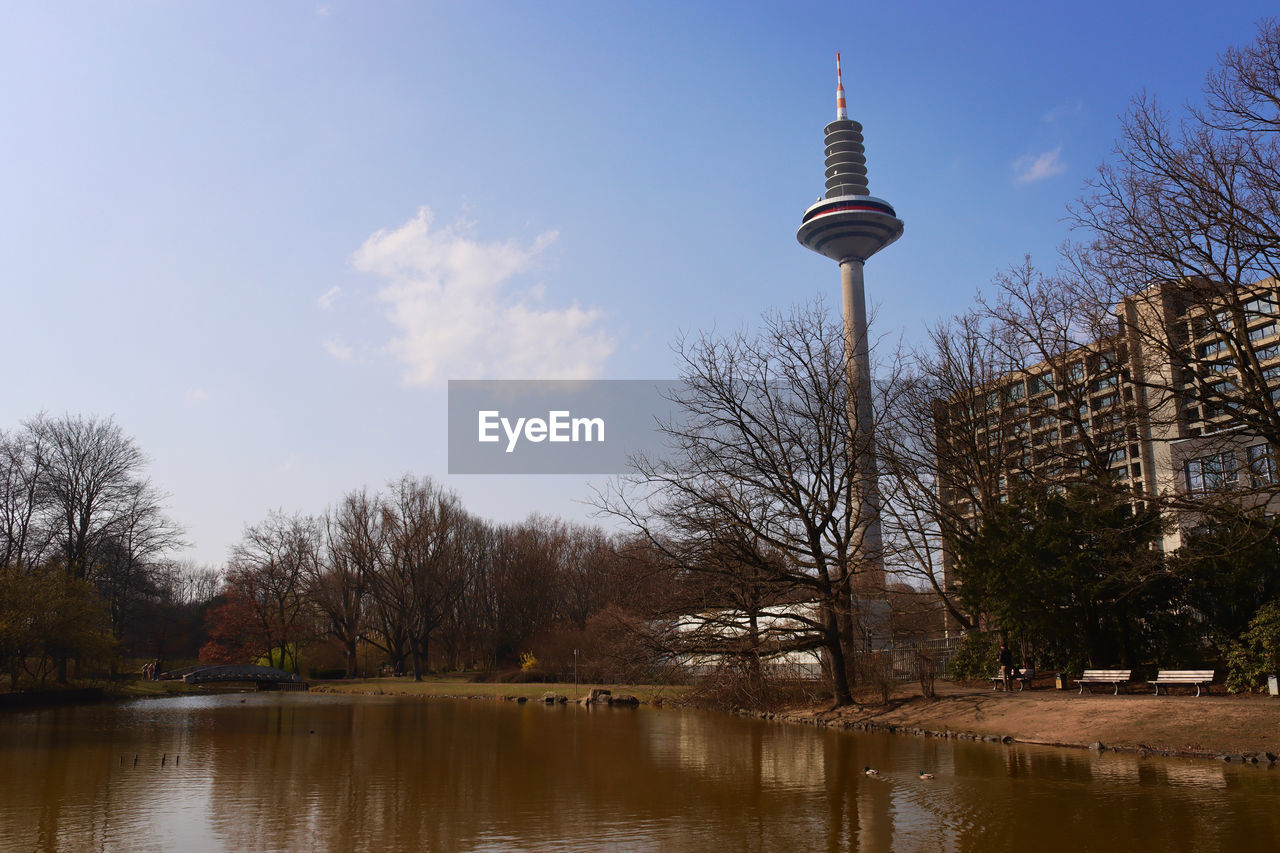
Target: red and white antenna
[(841, 112)]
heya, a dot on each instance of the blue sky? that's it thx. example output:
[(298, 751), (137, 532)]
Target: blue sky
[(263, 235)]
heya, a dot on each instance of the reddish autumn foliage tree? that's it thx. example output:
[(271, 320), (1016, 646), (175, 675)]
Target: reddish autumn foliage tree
[(234, 633)]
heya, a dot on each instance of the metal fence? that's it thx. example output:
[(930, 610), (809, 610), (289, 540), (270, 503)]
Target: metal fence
[(901, 660), (904, 659)]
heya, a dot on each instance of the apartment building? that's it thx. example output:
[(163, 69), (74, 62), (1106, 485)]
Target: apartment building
[(1211, 367), (1172, 403)]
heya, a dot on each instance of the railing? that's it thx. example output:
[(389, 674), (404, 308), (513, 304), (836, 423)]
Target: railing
[(903, 660)]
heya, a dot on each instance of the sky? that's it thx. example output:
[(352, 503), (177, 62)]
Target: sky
[(263, 236)]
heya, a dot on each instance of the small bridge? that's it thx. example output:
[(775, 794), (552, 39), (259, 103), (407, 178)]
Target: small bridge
[(266, 677)]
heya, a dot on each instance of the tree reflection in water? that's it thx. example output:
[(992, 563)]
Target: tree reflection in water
[(299, 772)]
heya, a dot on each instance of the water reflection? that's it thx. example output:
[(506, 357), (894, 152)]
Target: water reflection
[(290, 772)]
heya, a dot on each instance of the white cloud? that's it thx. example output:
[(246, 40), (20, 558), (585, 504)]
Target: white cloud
[(1036, 167), (1063, 111), (196, 395), (458, 315), (326, 299), (338, 350)]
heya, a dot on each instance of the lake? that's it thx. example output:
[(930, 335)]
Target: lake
[(300, 772)]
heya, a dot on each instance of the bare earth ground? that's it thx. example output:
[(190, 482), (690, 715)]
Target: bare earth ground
[(1181, 724)]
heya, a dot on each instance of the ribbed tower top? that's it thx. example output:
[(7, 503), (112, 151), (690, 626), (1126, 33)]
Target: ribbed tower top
[(850, 225), (846, 158)]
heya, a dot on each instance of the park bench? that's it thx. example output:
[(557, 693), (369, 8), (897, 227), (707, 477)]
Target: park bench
[(1024, 677), (1114, 677), (1184, 676)]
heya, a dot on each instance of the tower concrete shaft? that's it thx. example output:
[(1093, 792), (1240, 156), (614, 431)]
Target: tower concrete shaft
[(865, 491), (848, 226)]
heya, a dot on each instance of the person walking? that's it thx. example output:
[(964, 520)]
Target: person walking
[(1006, 665)]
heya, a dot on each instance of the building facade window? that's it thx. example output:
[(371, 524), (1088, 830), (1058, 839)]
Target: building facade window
[(1260, 306), (1211, 349), (1262, 465), (1211, 473)]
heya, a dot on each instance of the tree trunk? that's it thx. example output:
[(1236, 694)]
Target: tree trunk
[(417, 660), (754, 672), (350, 646), (839, 670)]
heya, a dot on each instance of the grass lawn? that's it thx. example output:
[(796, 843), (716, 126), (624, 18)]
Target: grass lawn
[(141, 688), (460, 685)]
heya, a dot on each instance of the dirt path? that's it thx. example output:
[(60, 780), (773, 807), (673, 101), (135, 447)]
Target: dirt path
[(1179, 724)]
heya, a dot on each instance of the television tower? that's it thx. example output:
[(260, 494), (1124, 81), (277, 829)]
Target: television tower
[(848, 226)]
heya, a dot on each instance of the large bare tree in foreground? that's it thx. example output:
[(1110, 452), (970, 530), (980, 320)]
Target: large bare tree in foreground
[(760, 480)]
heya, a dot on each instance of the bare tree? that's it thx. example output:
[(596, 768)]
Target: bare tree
[(72, 492), (1031, 390), (948, 448), (761, 463), (525, 597), (169, 619), (130, 556), (736, 605), (469, 623), (89, 475), (1182, 233), (24, 537), (269, 568), (421, 580), (339, 584), (585, 554), (1074, 367)]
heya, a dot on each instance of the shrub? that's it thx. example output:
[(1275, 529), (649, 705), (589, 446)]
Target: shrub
[(735, 684), (1257, 655), (977, 656), (926, 670), (47, 617), (875, 670)]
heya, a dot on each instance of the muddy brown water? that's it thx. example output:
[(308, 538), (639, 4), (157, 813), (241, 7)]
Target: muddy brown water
[(296, 772)]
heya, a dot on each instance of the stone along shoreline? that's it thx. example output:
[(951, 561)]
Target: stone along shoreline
[(1233, 728)]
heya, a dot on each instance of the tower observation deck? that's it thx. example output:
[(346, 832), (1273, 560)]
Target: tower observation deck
[(848, 226)]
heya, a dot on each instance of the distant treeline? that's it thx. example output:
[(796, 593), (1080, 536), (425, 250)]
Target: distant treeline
[(409, 573)]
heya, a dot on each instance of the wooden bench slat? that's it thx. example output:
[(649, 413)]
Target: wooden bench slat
[(1194, 677), (1104, 676), (1186, 674)]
